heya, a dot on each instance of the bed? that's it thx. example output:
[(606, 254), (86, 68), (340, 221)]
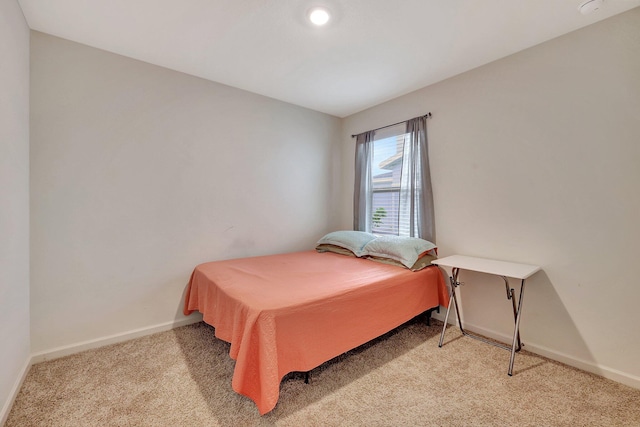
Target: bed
[(292, 312)]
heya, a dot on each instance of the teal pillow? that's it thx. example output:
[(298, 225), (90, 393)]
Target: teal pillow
[(355, 241), (405, 250)]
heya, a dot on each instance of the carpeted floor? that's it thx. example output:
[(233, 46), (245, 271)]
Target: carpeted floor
[(183, 378)]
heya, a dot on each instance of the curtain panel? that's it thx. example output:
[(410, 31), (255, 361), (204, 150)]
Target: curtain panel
[(416, 195), (363, 199)]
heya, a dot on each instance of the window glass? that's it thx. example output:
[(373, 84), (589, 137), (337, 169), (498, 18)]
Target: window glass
[(386, 171)]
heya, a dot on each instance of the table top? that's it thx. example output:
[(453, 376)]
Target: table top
[(490, 266)]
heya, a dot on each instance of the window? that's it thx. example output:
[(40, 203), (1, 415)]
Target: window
[(392, 181)]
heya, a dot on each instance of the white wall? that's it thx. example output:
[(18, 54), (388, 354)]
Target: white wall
[(14, 201), (139, 173), (535, 158)]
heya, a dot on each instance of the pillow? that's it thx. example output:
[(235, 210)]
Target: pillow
[(406, 250), (326, 247), (355, 241), (422, 262)]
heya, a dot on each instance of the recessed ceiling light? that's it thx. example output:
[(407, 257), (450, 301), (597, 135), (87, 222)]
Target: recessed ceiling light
[(319, 16)]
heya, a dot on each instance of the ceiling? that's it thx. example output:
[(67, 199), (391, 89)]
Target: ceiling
[(370, 52)]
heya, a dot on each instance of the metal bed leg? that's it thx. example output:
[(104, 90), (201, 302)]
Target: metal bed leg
[(428, 314)]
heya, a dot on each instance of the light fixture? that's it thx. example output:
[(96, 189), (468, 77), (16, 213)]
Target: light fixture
[(319, 16), (590, 6)]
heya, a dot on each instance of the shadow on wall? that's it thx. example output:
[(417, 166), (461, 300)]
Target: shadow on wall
[(544, 310), (487, 311), (196, 316)]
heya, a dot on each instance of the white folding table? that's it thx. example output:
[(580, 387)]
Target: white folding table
[(502, 269)]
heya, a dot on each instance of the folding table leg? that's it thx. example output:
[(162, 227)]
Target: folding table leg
[(516, 331), (516, 344), (452, 298)]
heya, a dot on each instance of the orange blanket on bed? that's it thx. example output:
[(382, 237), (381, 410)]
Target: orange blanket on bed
[(293, 312)]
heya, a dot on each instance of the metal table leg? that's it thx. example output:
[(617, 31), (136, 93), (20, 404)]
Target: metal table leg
[(516, 330), (453, 279), (516, 344)]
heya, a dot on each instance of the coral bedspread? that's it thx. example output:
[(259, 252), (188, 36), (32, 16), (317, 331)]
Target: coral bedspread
[(293, 312)]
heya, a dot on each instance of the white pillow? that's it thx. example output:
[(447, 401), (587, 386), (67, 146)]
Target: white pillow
[(355, 241), (406, 250)]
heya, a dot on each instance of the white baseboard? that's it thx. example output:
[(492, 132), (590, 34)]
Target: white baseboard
[(87, 345), (4, 413), (594, 368), (111, 339)]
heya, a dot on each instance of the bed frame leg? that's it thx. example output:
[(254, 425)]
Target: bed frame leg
[(306, 377), (428, 314)]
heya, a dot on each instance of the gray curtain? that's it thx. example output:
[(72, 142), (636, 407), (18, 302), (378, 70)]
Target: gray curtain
[(416, 195), (363, 197)]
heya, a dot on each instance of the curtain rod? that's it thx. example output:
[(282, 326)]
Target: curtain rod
[(428, 115)]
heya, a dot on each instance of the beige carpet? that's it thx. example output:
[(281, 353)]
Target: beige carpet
[(183, 378)]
